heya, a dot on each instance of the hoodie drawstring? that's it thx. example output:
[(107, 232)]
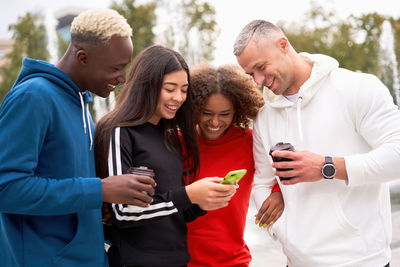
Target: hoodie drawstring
[(86, 119), (90, 131), (299, 124), (83, 112)]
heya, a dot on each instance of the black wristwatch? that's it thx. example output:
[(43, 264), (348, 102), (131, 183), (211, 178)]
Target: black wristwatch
[(329, 169)]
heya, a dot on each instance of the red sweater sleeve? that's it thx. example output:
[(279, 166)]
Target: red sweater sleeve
[(276, 188)]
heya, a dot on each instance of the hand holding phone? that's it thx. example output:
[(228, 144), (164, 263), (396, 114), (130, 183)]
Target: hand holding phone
[(233, 177)]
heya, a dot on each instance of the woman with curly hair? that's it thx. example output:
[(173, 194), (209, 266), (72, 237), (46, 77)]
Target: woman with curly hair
[(225, 102)]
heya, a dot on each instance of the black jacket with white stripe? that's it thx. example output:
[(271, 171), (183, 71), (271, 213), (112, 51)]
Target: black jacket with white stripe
[(156, 235)]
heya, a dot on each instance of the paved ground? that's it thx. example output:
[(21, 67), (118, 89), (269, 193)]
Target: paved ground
[(267, 252)]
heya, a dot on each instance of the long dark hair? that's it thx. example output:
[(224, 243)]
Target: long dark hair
[(137, 102)]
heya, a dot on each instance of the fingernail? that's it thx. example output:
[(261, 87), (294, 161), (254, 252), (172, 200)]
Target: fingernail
[(271, 222), (257, 221), (264, 225)]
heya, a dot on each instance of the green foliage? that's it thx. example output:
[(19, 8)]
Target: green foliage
[(396, 32), (370, 26), (192, 29), (354, 42), (30, 40), (62, 46), (189, 23), (396, 35), (199, 16), (141, 18)]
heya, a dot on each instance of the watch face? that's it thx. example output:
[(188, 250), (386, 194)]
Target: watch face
[(329, 170)]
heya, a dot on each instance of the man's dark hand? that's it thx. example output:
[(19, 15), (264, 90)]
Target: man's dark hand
[(128, 189)]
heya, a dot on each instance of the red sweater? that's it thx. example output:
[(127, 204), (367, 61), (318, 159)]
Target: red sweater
[(216, 239)]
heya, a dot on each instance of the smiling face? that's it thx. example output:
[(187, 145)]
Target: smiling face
[(215, 117), (173, 94), (269, 64), (105, 67)]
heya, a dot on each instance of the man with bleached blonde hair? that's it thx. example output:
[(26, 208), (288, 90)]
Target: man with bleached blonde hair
[(50, 197)]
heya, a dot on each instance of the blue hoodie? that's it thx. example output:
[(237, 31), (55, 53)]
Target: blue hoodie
[(50, 198)]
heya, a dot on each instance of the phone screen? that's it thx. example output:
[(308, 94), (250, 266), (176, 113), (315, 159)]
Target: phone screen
[(233, 177)]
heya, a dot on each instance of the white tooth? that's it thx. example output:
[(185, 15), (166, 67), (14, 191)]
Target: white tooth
[(212, 129), (172, 107)]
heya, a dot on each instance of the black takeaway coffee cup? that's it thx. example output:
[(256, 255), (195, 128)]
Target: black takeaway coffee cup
[(279, 147), (142, 170)]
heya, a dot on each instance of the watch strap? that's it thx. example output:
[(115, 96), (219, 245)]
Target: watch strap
[(328, 160)]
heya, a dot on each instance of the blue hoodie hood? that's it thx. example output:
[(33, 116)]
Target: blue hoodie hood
[(36, 68), (32, 68)]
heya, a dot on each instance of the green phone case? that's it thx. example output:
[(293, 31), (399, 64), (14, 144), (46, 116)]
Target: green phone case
[(233, 177)]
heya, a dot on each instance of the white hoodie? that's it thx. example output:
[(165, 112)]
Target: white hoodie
[(337, 113)]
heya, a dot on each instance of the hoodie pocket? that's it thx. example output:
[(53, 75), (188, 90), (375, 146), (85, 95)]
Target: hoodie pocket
[(86, 248), (318, 232), (61, 253)]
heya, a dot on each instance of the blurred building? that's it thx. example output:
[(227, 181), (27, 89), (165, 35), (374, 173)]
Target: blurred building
[(65, 17)]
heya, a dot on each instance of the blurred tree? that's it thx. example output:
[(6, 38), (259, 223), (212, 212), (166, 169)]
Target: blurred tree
[(200, 17), (388, 57), (192, 29), (354, 42), (396, 34), (62, 46), (142, 19), (30, 40), (369, 26)]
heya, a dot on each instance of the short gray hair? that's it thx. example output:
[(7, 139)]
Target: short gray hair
[(256, 30)]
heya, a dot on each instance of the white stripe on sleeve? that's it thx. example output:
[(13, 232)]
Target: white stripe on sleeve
[(156, 210), (131, 212), (118, 150), (110, 158)]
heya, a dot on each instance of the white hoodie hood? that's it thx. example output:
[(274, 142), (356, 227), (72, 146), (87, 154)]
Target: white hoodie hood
[(322, 66), (337, 113)]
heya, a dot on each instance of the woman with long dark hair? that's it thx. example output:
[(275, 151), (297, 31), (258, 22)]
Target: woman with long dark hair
[(152, 126)]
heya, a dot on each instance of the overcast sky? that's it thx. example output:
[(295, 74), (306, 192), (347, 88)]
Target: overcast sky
[(232, 15)]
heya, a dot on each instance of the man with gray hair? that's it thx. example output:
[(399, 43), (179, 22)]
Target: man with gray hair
[(50, 197), (346, 131)]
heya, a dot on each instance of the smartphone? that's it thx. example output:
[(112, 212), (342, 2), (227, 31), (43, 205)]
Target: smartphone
[(233, 177)]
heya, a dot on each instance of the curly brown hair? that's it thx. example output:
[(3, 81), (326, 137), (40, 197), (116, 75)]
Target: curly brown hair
[(233, 83)]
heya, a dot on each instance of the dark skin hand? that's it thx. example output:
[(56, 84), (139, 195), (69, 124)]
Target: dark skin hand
[(271, 210), (128, 189)]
